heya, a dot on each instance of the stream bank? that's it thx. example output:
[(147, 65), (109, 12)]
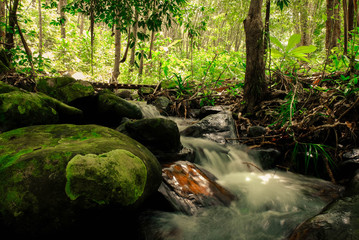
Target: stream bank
[(260, 201)]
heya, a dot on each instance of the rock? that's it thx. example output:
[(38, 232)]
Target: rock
[(215, 127), (106, 109), (189, 189), (339, 220), (159, 135), (19, 108), (352, 154), (266, 157), (350, 164), (208, 110), (162, 104), (52, 175), (256, 131), (65, 89)]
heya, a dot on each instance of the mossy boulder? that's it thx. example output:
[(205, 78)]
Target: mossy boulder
[(157, 134), (51, 174), (107, 109), (19, 108), (65, 89)]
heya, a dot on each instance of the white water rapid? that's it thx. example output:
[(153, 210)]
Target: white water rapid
[(270, 203)]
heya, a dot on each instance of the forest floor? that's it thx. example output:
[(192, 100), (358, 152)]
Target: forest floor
[(311, 120)]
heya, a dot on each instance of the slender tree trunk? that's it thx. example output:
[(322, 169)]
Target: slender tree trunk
[(140, 68), (82, 19), (304, 23), (351, 13), (11, 28), (133, 49), (266, 28), (40, 29), (345, 16), (62, 4), (2, 19), (254, 84), (116, 68), (332, 24), (127, 46)]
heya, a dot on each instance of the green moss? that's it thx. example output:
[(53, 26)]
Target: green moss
[(117, 176), (8, 160)]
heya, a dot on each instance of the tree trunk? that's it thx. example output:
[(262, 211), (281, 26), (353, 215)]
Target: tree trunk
[(82, 19), (116, 68), (2, 19), (304, 24), (40, 29), (345, 16), (11, 28), (266, 28), (332, 24), (133, 49), (254, 84), (62, 4)]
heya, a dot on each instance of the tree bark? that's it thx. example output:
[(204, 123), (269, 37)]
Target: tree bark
[(133, 49), (2, 19), (304, 24), (345, 16), (116, 68), (62, 4), (254, 84), (332, 24), (40, 29), (11, 28)]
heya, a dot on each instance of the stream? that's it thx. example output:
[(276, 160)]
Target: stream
[(269, 204)]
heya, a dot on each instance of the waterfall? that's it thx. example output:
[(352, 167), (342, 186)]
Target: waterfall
[(270, 203)]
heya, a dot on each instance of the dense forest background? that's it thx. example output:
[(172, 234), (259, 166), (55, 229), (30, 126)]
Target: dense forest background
[(196, 40)]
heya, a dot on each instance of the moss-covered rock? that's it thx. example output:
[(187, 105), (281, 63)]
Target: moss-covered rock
[(19, 108), (65, 89), (51, 173)]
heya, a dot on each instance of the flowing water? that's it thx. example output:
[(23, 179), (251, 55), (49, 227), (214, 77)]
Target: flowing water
[(270, 204)]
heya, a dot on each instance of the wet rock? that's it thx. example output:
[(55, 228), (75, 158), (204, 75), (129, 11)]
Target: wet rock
[(215, 127), (266, 157), (157, 134), (339, 220), (106, 109), (65, 89), (189, 189), (349, 166), (162, 104), (68, 173), (256, 131), (208, 110)]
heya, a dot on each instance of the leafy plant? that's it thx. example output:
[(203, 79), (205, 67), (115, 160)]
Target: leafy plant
[(312, 153), (181, 85), (286, 110), (290, 52)]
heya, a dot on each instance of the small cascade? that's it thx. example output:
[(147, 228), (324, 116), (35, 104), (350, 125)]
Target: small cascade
[(148, 110), (268, 204)]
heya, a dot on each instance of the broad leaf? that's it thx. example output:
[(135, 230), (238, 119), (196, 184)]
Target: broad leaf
[(304, 49), (277, 43), (293, 41), (275, 53)]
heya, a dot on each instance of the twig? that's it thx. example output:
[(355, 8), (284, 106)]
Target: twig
[(350, 108)]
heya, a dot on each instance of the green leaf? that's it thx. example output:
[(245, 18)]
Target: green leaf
[(304, 49), (277, 43), (293, 41), (276, 54)]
